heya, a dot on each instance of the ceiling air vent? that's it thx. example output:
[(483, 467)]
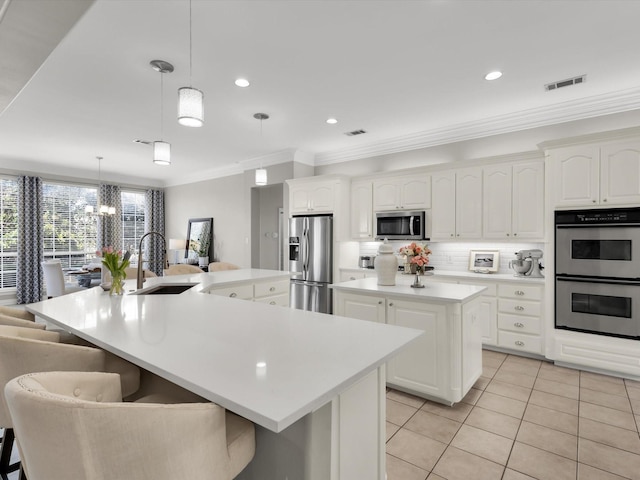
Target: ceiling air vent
[(565, 83), (355, 132)]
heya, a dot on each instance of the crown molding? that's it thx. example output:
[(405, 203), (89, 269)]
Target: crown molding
[(595, 106)]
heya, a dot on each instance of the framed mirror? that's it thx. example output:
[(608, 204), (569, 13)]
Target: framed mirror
[(199, 241)]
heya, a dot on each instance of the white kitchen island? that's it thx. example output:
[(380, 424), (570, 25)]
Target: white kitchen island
[(441, 365), (312, 383)]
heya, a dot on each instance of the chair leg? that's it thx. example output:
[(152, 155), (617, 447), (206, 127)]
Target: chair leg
[(5, 453)]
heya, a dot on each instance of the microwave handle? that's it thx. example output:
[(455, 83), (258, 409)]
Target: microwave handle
[(411, 225)]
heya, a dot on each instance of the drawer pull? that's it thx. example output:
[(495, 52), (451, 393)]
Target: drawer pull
[(519, 308), (272, 289), (391, 304), (519, 292), (519, 343), (519, 325), (272, 302), (379, 302), (352, 278), (233, 295)]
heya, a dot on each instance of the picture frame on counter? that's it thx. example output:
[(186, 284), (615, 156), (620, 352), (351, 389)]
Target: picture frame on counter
[(484, 261)]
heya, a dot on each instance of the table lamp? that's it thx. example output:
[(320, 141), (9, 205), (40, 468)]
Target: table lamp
[(177, 245)]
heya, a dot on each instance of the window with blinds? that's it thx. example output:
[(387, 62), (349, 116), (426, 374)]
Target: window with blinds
[(69, 233), (8, 232), (133, 205)]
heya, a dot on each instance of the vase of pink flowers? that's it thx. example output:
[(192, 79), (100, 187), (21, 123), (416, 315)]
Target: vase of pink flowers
[(116, 264), (417, 258)]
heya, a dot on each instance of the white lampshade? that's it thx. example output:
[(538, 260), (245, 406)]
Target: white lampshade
[(177, 244), (162, 153), (190, 107), (261, 176)]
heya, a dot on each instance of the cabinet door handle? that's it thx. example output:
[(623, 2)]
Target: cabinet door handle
[(233, 294), (519, 292), (272, 289), (352, 278), (519, 325), (519, 343), (272, 302), (604, 199), (379, 302), (391, 304), (519, 308), (515, 234)]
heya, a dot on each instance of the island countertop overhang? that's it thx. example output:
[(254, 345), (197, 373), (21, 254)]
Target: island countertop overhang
[(214, 345)]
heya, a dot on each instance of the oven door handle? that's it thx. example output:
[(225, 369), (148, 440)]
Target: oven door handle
[(611, 281)]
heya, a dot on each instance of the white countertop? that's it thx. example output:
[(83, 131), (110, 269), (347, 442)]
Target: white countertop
[(212, 345), (509, 277), (433, 290)]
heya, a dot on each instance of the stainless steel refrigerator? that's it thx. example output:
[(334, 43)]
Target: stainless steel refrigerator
[(311, 262)]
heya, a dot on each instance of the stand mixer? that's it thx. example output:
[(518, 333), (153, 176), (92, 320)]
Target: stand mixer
[(527, 263)]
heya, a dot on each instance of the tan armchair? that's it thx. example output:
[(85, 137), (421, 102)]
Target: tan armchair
[(182, 268), (72, 425), (27, 350), (219, 266)]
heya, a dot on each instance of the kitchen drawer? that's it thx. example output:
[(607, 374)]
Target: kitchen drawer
[(519, 307), (271, 288), (282, 300), (520, 341), (526, 292), (244, 292), (518, 323)]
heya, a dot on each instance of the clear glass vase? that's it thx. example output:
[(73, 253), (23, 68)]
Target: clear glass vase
[(417, 283), (117, 283)]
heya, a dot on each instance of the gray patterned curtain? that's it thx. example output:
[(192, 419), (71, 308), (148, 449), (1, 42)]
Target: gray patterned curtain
[(30, 240), (154, 222), (110, 226)]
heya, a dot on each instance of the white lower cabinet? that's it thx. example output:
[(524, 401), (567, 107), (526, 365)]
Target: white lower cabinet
[(520, 317), (443, 363), (274, 292)]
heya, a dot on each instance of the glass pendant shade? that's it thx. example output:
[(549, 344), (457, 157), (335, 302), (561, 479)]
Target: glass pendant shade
[(261, 176), (162, 153), (190, 107)]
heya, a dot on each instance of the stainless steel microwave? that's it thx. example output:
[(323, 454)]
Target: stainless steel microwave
[(401, 225)]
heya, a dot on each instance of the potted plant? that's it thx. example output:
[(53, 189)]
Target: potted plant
[(203, 249)]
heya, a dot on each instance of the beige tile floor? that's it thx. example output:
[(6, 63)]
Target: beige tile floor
[(524, 419)]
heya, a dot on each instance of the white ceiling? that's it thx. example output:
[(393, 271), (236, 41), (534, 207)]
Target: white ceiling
[(410, 73)]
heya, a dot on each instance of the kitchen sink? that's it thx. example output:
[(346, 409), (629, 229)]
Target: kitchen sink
[(166, 289)]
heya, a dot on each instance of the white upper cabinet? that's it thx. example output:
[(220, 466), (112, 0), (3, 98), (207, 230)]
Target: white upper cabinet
[(456, 211), (513, 201), (362, 210), (587, 175), (312, 197), (411, 192)]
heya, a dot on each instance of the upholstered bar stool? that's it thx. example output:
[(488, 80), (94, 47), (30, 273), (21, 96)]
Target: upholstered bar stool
[(27, 350), (221, 266), (73, 425), (182, 268)]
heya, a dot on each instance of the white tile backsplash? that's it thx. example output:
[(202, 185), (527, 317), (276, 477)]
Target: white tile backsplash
[(454, 256)]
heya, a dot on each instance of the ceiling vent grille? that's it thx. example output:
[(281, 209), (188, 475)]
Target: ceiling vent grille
[(355, 132), (565, 83)]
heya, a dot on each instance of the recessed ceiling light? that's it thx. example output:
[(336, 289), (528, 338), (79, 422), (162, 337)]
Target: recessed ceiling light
[(493, 75), (332, 121), (242, 82)]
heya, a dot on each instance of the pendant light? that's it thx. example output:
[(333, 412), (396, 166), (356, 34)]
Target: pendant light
[(161, 149), (190, 100), (261, 173), (103, 209)]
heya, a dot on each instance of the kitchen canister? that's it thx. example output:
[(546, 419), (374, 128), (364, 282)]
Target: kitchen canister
[(386, 265)]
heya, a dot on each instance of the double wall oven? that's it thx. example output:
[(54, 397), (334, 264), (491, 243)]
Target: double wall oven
[(598, 271)]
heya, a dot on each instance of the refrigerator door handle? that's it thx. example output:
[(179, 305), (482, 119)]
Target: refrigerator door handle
[(305, 236)]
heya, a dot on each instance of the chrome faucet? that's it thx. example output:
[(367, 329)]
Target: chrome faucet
[(165, 263)]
